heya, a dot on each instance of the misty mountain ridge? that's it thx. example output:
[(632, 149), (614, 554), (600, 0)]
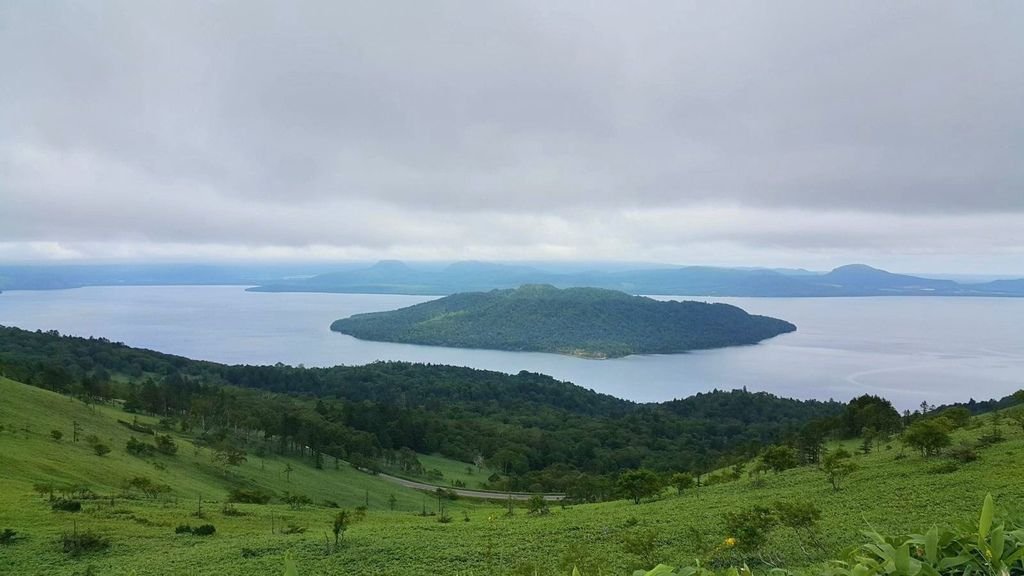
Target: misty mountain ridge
[(849, 280)]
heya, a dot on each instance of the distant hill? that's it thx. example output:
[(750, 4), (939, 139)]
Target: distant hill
[(590, 322), (853, 280), (440, 279)]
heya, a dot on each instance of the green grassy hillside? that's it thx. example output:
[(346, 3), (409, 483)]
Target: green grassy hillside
[(890, 492)]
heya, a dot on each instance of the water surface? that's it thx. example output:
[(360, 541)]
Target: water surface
[(908, 349)]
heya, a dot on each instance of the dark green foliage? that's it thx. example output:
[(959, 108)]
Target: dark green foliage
[(204, 530), (148, 487), (929, 435), (8, 536), (837, 467), (79, 543), (779, 458), (339, 525), (639, 484), (101, 449), (183, 529), (365, 413), (537, 506), (65, 505), (750, 527), (166, 445), (963, 454), (56, 435), (682, 481), (579, 321), (249, 496), (139, 448), (296, 501)]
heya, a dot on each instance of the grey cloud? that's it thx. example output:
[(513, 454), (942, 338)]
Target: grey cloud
[(375, 125)]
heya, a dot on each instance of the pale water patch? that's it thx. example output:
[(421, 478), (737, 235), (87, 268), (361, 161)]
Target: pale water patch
[(907, 349)]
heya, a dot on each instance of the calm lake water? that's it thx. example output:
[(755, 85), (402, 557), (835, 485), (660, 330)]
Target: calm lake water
[(904, 348)]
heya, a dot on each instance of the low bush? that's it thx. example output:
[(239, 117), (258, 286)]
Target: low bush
[(65, 505), (183, 529), (248, 496), (8, 536), (77, 543), (204, 530), (230, 510)]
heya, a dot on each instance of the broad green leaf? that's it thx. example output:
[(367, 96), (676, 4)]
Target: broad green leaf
[(660, 570), (902, 560), (931, 545), (985, 523), (998, 540)]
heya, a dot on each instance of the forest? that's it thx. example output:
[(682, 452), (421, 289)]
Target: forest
[(589, 322)]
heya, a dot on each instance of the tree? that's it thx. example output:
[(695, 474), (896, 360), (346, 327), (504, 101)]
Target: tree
[(838, 466), (958, 416), (779, 458), (76, 429), (341, 522), (391, 501), (929, 436), (682, 481), (288, 472), (639, 484)]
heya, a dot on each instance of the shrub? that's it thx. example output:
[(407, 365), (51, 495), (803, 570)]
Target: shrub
[(750, 528), (536, 505), (183, 529), (204, 530), (248, 496), (293, 529), (166, 445), (963, 454), (137, 448), (296, 501), (230, 510), (8, 536), (101, 449), (56, 435), (65, 505), (77, 544)]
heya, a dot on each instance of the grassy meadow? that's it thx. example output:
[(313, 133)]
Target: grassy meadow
[(893, 491)]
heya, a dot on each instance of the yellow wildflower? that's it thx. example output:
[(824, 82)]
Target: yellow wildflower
[(730, 542)]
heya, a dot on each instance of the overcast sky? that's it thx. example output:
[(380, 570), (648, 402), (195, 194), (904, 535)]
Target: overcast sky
[(765, 133)]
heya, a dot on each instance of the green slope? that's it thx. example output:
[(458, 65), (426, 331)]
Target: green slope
[(889, 492), (590, 322)]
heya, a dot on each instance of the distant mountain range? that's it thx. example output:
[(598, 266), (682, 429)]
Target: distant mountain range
[(393, 277)]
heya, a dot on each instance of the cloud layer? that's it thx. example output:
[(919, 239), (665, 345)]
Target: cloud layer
[(780, 134)]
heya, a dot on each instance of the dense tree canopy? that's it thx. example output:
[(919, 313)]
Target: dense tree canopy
[(589, 322), (540, 431)]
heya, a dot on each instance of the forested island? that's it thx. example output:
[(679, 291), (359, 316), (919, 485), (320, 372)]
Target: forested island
[(586, 322)]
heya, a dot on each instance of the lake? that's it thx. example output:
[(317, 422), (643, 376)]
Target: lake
[(908, 349)]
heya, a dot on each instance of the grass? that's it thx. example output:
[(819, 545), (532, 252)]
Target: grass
[(889, 493)]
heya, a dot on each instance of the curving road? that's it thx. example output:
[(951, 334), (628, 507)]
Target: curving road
[(467, 493)]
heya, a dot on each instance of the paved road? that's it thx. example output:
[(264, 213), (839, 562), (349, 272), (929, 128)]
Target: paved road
[(465, 493)]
